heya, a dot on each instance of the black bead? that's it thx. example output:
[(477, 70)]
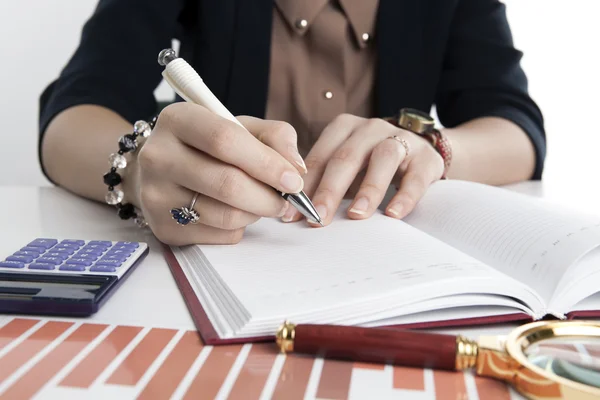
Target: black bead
[(127, 211), (121, 152), (111, 188), (112, 179), (127, 143), (113, 169)]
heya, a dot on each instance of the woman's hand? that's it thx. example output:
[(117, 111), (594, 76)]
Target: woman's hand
[(193, 150), (352, 144)]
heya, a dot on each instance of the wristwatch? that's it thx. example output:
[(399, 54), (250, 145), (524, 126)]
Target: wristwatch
[(423, 124)]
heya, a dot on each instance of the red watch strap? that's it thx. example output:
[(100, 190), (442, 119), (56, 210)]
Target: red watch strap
[(442, 144)]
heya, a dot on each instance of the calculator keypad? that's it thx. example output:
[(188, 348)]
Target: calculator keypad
[(70, 255)]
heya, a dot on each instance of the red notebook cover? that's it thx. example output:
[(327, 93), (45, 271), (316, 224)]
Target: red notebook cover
[(210, 336)]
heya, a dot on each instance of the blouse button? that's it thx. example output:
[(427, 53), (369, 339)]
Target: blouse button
[(328, 95), (301, 24), (365, 37)]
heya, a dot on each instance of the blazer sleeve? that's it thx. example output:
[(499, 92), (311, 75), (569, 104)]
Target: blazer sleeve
[(115, 64), (482, 76)]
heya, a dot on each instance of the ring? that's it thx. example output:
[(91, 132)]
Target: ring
[(186, 215), (403, 142)]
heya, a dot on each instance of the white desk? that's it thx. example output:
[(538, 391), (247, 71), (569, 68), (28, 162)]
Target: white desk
[(150, 299)]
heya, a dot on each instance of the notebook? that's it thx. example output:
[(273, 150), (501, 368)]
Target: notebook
[(468, 254)]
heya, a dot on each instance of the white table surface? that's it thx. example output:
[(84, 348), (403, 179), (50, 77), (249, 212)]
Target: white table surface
[(150, 296)]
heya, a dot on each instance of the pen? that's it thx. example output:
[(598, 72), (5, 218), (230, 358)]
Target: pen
[(190, 86)]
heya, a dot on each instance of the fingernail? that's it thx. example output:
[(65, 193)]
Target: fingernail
[(289, 214), (291, 182), (285, 208), (322, 211), (297, 158), (360, 206), (395, 209)]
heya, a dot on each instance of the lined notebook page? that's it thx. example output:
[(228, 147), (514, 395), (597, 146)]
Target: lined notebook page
[(279, 270), (529, 239)]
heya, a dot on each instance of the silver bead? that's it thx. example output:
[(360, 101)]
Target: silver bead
[(117, 161), (140, 222), (114, 197), (142, 128)]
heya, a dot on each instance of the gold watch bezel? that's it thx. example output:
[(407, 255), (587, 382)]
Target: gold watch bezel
[(415, 121)]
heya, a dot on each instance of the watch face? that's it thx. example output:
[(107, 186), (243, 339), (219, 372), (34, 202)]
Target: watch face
[(418, 115)]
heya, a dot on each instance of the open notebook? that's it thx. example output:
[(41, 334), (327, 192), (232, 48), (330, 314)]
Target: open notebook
[(468, 254)]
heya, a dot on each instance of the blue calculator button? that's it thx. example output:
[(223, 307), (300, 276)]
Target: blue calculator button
[(102, 268), (44, 266), (102, 243), (90, 251), (50, 260), (67, 246), (63, 250), (33, 254), (75, 242), (79, 261), (43, 243), (57, 254), (12, 264), (37, 250), (124, 252), (25, 259), (68, 267), (86, 256), (95, 247), (133, 245), (109, 263), (118, 257)]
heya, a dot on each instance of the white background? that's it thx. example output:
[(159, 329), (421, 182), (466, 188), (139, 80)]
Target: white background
[(559, 39)]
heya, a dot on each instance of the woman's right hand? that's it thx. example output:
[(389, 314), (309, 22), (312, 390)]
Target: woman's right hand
[(193, 150)]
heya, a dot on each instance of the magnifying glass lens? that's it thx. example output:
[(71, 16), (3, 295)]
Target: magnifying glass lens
[(574, 359)]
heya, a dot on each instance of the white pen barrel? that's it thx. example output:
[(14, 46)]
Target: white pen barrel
[(189, 84)]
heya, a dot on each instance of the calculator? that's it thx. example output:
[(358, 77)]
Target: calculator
[(69, 277)]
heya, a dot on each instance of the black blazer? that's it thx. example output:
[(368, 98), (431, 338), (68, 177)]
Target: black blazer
[(455, 54)]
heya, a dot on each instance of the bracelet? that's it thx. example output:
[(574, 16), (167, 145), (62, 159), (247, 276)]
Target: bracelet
[(127, 144)]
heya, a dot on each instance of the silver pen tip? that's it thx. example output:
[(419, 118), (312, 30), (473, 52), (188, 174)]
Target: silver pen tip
[(321, 223)]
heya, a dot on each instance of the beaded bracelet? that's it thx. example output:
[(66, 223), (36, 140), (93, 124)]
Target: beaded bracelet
[(127, 144)]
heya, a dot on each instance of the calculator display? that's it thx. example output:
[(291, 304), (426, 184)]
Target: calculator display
[(62, 288)]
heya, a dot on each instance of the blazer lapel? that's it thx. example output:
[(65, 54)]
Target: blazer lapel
[(249, 79), (400, 80), (212, 42)]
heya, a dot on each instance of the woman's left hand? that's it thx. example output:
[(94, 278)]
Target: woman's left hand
[(353, 148)]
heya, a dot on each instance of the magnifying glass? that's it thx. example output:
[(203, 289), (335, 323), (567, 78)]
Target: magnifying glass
[(541, 360)]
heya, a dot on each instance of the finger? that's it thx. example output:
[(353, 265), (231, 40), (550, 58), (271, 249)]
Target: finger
[(413, 186), (211, 212), (230, 143), (278, 135), (157, 212), (383, 165), (172, 161), (347, 161), (330, 139)]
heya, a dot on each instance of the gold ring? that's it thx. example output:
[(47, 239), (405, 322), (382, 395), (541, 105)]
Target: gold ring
[(403, 142)]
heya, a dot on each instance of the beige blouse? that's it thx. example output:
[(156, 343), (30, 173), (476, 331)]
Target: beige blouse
[(322, 63)]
